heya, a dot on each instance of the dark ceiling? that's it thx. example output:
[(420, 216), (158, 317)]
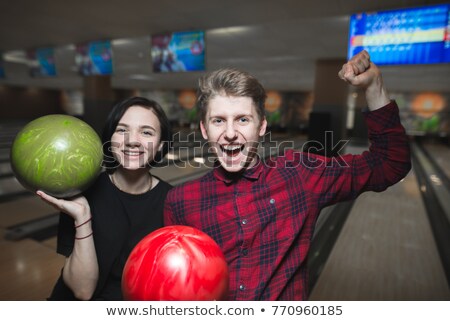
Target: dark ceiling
[(277, 41)]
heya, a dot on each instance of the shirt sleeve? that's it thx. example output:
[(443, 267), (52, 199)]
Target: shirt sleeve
[(344, 177), (169, 218), (66, 235)]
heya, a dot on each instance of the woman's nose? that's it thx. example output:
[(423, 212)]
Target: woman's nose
[(133, 139)]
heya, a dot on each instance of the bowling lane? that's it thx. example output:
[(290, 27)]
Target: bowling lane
[(440, 154), (8, 131), (386, 251), (10, 188), (22, 210), (28, 269), (4, 154), (5, 169), (176, 174)]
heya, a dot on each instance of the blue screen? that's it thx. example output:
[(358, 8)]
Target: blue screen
[(408, 36), (2, 69), (94, 58), (179, 51), (42, 62)]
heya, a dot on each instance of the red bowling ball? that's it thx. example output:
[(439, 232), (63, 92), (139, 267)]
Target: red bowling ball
[(176, 263)]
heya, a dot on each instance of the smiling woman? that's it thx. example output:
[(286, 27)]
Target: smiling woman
[(98, 230), (121, 119), (137, 139)]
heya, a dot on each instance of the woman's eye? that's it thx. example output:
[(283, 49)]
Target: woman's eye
[(148, 133), (120, 130)]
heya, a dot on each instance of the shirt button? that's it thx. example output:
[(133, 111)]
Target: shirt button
[(244, 221), (242, 287), (272, 201), (245, 252)]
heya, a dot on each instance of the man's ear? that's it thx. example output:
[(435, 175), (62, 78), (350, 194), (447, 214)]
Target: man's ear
[(262, 129), (203, 129)]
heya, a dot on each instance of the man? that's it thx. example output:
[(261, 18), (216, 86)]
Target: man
[(262, 215)]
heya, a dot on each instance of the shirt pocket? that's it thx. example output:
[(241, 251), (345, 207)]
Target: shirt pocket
[(283, 214)]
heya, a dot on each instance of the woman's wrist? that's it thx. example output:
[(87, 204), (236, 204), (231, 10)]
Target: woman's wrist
[(84, 217), (84, 236), (83, 223)]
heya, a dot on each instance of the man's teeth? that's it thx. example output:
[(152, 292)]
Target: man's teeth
[(231, 148)]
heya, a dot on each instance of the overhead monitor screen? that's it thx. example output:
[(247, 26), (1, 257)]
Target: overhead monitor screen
[(94, 58), (407, 36), (42, 62), (2, 69), (179, 51)]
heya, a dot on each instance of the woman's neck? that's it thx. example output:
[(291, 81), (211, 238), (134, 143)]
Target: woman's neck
[(132, 182)]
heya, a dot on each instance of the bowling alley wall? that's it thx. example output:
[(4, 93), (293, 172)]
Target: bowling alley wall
[(28, 103), (422, 113), (285, 110)]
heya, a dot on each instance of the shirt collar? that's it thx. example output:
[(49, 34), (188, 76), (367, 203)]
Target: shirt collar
[(252, 173)]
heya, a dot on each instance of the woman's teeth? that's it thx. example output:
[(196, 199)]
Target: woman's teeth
[(130, 153)]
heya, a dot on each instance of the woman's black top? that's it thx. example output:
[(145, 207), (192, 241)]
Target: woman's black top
[(119, 221)]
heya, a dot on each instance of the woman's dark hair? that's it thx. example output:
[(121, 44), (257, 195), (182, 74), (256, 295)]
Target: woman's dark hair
[(117, 112)]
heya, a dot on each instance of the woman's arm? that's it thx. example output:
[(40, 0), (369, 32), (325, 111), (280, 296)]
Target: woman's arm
[(81, 268)]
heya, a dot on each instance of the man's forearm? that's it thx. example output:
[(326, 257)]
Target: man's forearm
[(376, 95)]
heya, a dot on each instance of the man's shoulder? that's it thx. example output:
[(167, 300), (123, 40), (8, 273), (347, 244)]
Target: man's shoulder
[(288, 155), (191, 185)]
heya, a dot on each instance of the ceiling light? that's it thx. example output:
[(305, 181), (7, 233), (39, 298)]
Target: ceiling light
[(141, 77), (230, 30), (17, 56)]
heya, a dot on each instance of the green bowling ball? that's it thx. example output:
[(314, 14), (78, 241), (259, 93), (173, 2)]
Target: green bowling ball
[(58, 154)]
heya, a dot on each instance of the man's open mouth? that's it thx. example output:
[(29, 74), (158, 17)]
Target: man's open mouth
[(232, 150)]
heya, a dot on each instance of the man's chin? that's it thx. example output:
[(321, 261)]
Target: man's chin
[(234, 167)]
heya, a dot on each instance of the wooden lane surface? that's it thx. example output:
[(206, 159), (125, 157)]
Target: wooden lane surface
[(28, 269), (22, 210), (386, 251), (50, 243), (441, 155)]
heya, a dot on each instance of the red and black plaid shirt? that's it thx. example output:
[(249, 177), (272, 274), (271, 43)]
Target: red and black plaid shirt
[(264, 220)]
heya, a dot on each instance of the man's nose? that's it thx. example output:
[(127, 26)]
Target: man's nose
[(230, 132)]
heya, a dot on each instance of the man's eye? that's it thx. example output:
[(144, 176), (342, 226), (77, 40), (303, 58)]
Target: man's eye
[(217, 121)]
